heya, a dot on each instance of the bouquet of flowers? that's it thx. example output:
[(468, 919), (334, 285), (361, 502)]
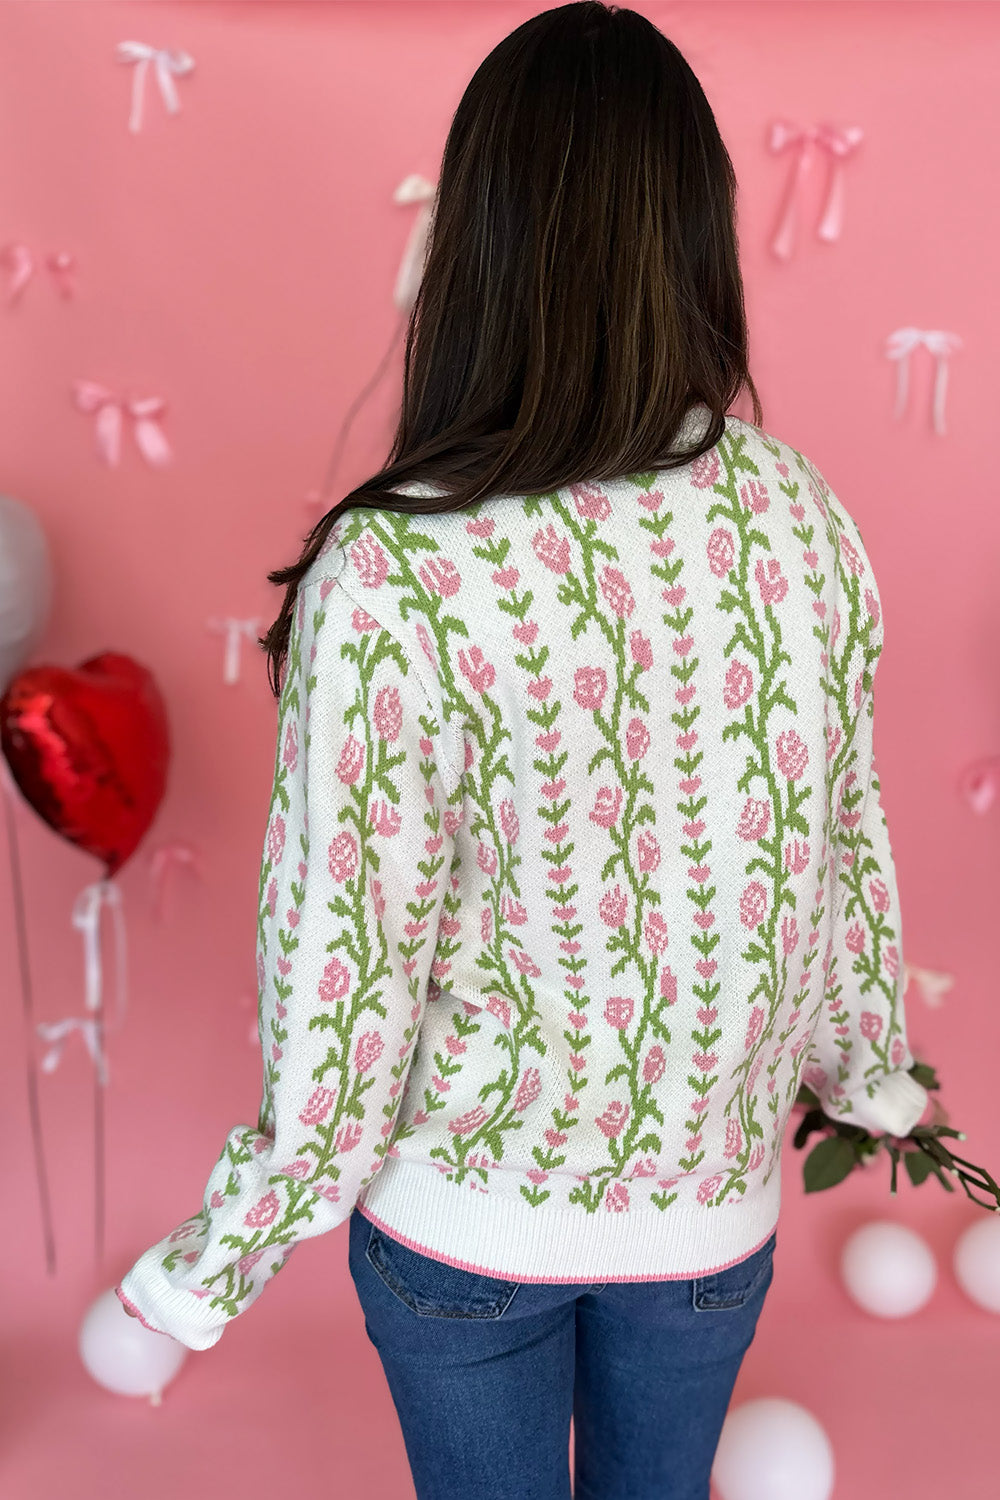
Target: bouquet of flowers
[(843, 1147)]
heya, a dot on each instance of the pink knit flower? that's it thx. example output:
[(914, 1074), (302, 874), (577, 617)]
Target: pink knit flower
[(276, 839), (619, 1011), (871, 1025), (753, 904), (528, 1090), (738, 687), (589, 687), (336, 981), (388, 713), (551, 548), (318, 1106), (652, 1068), (754, 1028), (721, 552), (439, 575), (708, 1187), (607, 806), (591, 502), (771, 581), (647, 848), (879, 893), (479, 672), (641, 649), (655, 932), (792, 754), (470, 1121), (617, 591), (613, 907), (754, 496), (290, 753), (637, 739), (755, 819), (343, 856), (509, 821), (612, 1121), (705, 469), (264, 1212), (370, 561), (368, 1050)]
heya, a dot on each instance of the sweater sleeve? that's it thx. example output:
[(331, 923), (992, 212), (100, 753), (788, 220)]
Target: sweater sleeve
[(860, 1048), (356, 862)]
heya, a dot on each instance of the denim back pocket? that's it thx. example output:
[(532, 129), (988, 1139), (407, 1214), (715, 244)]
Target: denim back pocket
[(432, 1288), (734, 1286)]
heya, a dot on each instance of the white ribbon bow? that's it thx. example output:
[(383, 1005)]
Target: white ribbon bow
[(938, 342), (234, 630), (413, 189), (933, 984), (167, 64), (87, 919)]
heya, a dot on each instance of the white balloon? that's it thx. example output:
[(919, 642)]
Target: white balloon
[(888, 1270), (977, 1262), (25, 585), (122, 1355), (771, 1449)]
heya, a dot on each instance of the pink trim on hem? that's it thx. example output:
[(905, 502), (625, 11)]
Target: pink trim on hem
[(465, 1265), (127, 1302)]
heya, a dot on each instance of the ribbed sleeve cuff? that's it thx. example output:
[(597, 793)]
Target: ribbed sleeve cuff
[(164, 1308), (897, 1106)]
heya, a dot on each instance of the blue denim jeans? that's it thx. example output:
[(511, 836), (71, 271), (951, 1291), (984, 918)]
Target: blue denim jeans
[(485, 1374)]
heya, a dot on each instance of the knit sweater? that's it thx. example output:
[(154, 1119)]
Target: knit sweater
[(575, 868)]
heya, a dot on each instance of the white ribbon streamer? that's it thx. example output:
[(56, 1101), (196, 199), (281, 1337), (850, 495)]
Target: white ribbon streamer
[(166, 63), (413, 189), (936, 341), (86, 919), (234, 630)]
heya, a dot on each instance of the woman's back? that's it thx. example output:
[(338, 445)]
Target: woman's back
[(653, 737)]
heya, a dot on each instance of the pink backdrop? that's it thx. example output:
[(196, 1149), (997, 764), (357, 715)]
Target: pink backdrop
[(238, 258)]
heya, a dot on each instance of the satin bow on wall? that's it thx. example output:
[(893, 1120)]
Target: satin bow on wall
[(87, 919), (807, 139), (20, 264), (937, 342), (234, 631), (110, 411), (167, 64)]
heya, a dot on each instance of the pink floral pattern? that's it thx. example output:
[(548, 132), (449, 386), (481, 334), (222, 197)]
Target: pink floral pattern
[(563, 888)]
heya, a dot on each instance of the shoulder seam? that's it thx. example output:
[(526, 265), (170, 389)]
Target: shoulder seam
[(417, 672)]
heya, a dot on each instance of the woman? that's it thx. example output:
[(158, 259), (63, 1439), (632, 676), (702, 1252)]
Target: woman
[(575, 866)]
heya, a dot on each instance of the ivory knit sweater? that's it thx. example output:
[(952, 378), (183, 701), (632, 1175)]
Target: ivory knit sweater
[(575, 868)]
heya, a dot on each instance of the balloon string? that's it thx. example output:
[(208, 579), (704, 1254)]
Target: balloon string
[(41, 1173), (359, 401)]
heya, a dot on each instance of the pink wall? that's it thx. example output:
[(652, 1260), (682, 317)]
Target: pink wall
[(238, 258)]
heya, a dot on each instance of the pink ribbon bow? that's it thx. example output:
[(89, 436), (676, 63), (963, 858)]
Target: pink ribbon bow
[(838, 143), (19, 261), (936, 341), (110, 410)]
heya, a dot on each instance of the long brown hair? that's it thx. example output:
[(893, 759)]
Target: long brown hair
[(581, 288)]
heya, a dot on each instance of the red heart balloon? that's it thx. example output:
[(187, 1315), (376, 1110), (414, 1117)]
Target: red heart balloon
[(89, 747)]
